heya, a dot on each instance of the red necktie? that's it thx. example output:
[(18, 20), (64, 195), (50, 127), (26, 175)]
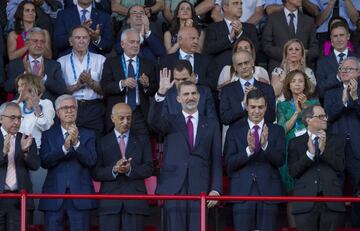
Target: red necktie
[(122, 145), (190, 128)]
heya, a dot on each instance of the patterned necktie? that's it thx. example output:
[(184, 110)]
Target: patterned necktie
[(122, 145), (190, 128), (11, 170), (188, 57), (131, 92), (83, 16), (341, 57), (36, 67), (291, 25), (257, 138), (247, 84)]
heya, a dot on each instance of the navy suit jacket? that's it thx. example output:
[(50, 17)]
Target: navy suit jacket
[(232, 95), (309, 174), (54, 84), (71, 171), (217, 40), (200, 168), (201, 65), (343, 120), (261, 167), (206, 105), (23, 165), (139, 149), (327, 69), (69, 18)]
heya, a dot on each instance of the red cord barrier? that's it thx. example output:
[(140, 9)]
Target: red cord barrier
[(202, 198)]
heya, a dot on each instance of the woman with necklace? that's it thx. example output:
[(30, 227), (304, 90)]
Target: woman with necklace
[(25, 19)]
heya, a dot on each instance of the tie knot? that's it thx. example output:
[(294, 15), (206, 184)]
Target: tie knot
[(130, 61), (341, 55), (247, 84), (122, 136), (256, 127), (188, 57), (189, 117), (291, 15), (84, 11), (35, 61)]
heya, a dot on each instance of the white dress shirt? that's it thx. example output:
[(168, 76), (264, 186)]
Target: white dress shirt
[(194, 120)]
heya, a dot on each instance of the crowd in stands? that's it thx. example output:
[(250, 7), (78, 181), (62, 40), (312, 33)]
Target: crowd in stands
[(263, 93)]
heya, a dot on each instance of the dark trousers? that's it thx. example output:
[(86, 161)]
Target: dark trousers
[(91, 115), (256, 215), (320, 218), (353, 170), (10, 215), (123, 220), (79, 220)]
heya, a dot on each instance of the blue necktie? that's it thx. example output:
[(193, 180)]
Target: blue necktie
[(83, 16), (131, 92)]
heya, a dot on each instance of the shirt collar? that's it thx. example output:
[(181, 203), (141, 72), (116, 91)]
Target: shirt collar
[(311, 135), (40, 59), (88, 9), (251, 124), (243, 81), (194, 115), (117, 134), (287, 12), (228, 22), (183, 53), (346, 51), (63, 130), (127, 58)]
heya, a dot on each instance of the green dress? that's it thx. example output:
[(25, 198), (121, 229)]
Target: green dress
[(285, 110)]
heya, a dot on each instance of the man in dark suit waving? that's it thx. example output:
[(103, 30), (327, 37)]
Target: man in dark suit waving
[(18, 155), (68, 153), (254, 150), (192, 159), (315, 159), (124, 161)]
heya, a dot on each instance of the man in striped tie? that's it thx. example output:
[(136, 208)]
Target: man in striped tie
[(18, 155)]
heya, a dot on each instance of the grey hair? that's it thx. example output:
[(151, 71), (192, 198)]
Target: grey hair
[(62, 98), (125, 33), (34, 30), (6, 105), (308, 112), (352, 58), (224, 2)]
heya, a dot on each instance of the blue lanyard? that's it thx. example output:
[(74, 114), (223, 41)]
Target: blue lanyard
[(123, 63), (73, 66), (294, 108), (31, 110), (23, 35)]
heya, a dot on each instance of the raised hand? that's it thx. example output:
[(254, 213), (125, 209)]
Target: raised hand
[(165, 83)]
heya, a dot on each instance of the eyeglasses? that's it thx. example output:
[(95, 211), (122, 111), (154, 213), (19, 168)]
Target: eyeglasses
[(321, 117), (13, 117), (348, 69), (137, 12), (68, 108)]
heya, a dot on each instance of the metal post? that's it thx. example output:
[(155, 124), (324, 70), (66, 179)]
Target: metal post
[(23, 210), (203, 211)]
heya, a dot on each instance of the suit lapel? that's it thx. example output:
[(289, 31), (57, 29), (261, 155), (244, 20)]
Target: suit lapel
[(180, 121), (94, 17), (300, 23), (113, 142), (284, 22), (75, 16), (201, 130), (131, 145)]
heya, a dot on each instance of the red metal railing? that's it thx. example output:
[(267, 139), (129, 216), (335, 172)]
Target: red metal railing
[(202, 198)]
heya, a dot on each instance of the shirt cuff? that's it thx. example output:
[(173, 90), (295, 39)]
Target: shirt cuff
[(97, 41), (121, 86), (147, 34), (248, 152), (265, 146), (215, 192), (115, 174), (129, 172), (159, 98), (43, 80), (310, 155), (243, 106), (76, 146)]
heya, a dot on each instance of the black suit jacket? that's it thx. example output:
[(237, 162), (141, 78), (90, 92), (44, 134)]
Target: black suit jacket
[(311, 177), (206, 105), (139, 149), (22, 164), (217, 40), (111, 76), (276, 34), (200, 168), (54, 84), (326, 71), (261, 167), (201, 64), (232, 95), (69, 18)]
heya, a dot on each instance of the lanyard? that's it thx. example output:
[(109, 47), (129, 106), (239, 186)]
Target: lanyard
[(123, 63), (294, 108), (73, 66), (23, 35)]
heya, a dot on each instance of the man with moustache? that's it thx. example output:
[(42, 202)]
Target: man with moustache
[(254, 150), (192, 158), (18, 155), (124, 161), (68, 153), (82, 70)]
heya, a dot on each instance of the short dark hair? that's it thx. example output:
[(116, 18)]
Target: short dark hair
[(185, 83), (181, 65), (308, 112), (255, 94), (339, 24)]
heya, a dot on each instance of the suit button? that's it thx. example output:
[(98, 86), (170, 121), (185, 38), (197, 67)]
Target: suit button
[(315, 182)]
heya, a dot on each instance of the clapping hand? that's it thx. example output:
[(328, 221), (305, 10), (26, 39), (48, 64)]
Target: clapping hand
[(264, 136), (251, 141), (6, 147), (26, 141), (322, 140), (144, 80)]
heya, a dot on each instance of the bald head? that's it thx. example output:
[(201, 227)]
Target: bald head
[(188, 38), (121, 117)]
